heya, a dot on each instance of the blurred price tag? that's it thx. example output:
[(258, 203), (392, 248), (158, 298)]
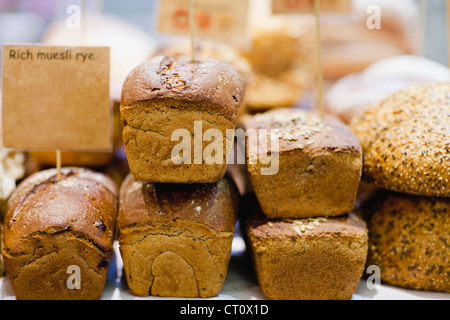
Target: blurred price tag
[(224, 20), (56, 98), (307, 6)]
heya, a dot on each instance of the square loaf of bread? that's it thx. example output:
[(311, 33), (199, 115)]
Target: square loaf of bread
[(319, 164), (164, 95), (175, 239), (308, 259)]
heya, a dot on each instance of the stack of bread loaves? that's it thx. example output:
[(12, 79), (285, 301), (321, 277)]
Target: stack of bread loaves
[(177, 209), (304, 240), (406, 144)]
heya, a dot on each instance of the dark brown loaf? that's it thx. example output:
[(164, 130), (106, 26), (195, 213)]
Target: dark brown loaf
[(308, 259), (51, 225), (409, 239), (320, 165), (165, 94), (175, 239)]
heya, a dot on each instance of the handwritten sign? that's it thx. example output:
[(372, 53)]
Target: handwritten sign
[(224, 20), (308, 6), (56, 98)]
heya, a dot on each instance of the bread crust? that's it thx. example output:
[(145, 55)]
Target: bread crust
[(406, 141), (213, 84), (51, 225)]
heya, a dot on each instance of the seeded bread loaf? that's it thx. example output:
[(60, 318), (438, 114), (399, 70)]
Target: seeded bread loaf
[(54, 229), (406, 141), (409, 239), (164, 95), (307, 259), (175, 239), (319, 164)]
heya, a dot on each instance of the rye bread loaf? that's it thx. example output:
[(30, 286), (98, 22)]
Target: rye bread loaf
[(307, 259), (166, 94), (319, 164), (175, 239), (54, 227)]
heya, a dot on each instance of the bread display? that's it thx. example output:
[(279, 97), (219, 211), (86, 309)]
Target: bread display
[(352, 95), (165, 95), (409, 239), (245, 163), (175, 239), (54, 227), (308, 259), (406, 142), (319, 164)]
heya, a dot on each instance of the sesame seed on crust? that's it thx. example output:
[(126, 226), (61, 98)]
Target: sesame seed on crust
[(406, 141)]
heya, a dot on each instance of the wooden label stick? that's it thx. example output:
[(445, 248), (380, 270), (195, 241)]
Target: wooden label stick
[(319, 58), (83, 43), (58, 164), (191, 27)]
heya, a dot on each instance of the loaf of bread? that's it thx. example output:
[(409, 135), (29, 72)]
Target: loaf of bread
[(307, 259), (406, 141), (175, 239), (58, 235), (409, 240), (319, 164), (164, 95)]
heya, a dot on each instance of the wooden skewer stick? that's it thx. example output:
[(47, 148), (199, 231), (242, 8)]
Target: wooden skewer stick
[(192, 27), (319, 57), (58, 164)]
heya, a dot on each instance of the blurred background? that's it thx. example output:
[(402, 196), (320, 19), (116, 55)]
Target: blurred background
[(27, 20)]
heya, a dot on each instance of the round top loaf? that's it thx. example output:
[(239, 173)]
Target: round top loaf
[(211, 84), (406, 141)]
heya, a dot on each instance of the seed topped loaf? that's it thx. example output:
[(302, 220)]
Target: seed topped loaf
[(166, 94), (409, 239), (308, 259), (319, 165), (51, 225), (406, 141), (175, 239)]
